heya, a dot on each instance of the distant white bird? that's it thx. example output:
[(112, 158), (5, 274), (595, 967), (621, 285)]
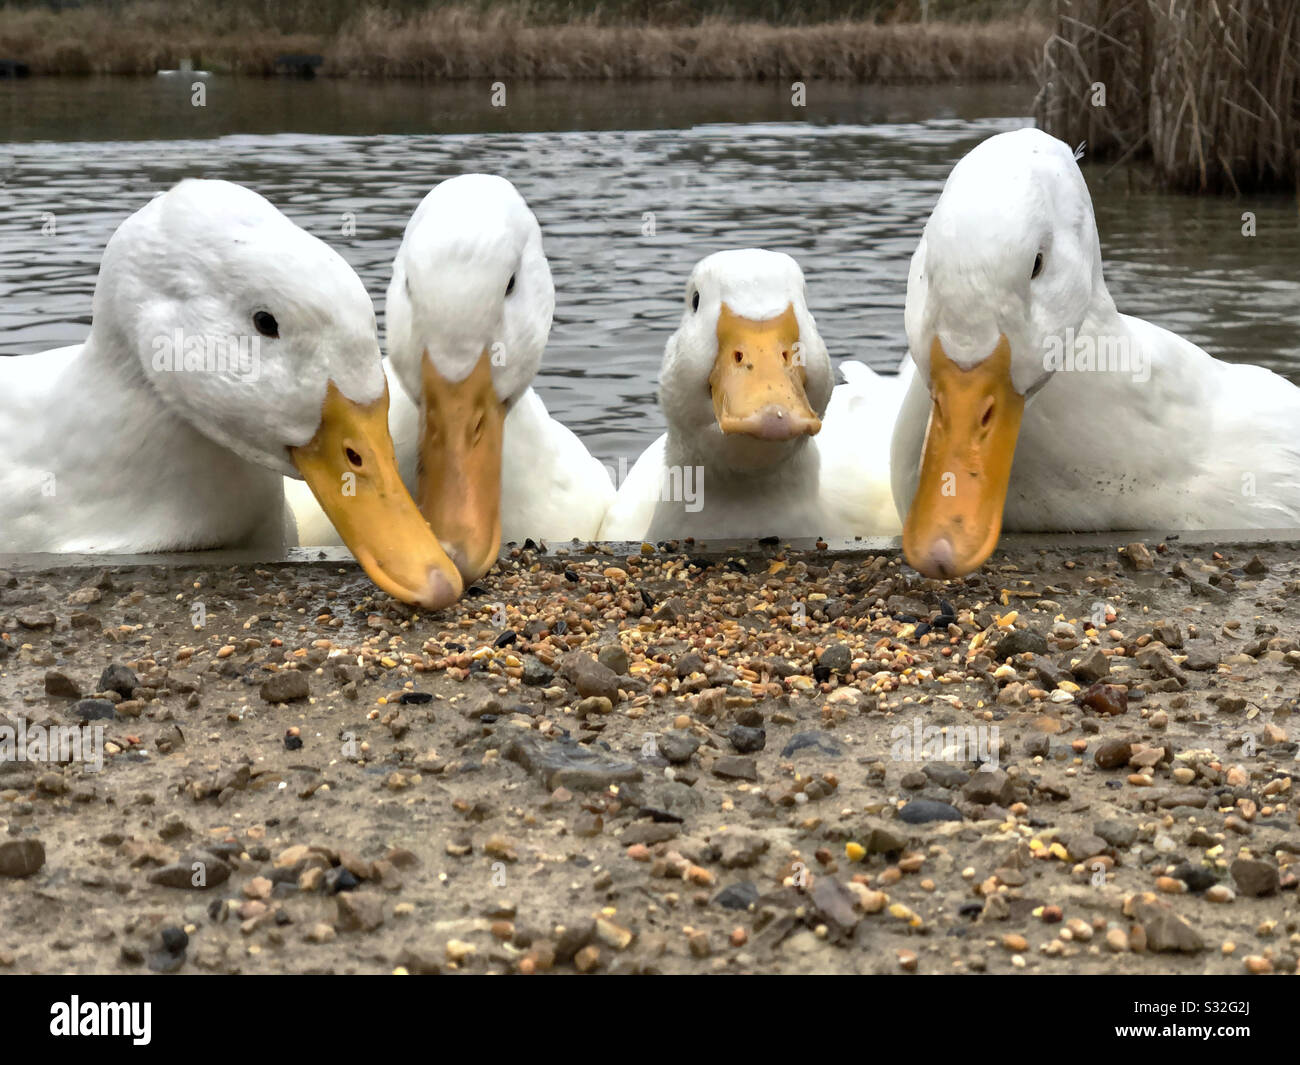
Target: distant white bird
[(469, 312), (745, 388), (185, 70), (1113, 423), (228, 349)]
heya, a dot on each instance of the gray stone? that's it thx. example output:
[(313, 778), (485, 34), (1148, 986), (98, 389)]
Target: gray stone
[(1119, 834), (21, 857), (32, 618), (93, 710), (359, 911), (1159, 660), (59, 685), (989, 788), (567, 763), (1081, 845), (1166, 931), (536, 674), (920, 811), (673, 609), (286, 686), (1092, 666), (1020, 641), (649, 833), (689, 663), (812, 742), (1255, 878), (946, 775), (1113, 753), (741, 850), (678, 746), (1049, 672), (738, 896), (1183, 797), (589, 676), (834, 903), (118, 678), (837, 658), (1038, 745), (881, 839), (1168, 632), (1201, 657), (614, 658), (735, 767), (747, 740), (664, 800)]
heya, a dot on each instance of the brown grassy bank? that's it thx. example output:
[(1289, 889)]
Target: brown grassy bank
[(517, 41), (1209, 92)]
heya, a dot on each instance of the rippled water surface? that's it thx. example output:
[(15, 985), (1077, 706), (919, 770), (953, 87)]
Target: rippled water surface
[(844, 184)]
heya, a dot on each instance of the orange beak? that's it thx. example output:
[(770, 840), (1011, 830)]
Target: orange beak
[(351, 469), (956, 515), (459, 488), (758, 378)]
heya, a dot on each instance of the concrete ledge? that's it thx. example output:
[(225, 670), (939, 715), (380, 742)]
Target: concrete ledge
[(835, 549)]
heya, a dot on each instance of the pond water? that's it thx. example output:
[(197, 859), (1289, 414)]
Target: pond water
[(844, 184)]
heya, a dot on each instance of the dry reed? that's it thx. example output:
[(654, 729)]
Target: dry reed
[(1208, 91), (514, 41)]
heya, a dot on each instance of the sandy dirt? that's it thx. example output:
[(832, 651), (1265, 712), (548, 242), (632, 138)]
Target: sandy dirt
[(657, 759)]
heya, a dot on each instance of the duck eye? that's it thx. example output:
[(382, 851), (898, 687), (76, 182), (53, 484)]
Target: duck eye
[(1038, 266), (695, 300), (510, 286), (266, 324)]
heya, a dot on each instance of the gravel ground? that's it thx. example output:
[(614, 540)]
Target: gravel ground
[(658, 759)]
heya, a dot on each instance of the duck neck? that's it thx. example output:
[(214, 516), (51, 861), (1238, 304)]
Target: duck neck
[(185, 490), (1101, 318), (757, 466)]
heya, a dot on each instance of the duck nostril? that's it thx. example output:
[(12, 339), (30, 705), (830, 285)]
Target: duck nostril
[(353, 457), (739, 356), (785, 357), (988, 415)]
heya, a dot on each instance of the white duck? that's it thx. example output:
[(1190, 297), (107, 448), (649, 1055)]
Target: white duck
[(1114, 423), (745, 383), (228, 349), (469, 312)]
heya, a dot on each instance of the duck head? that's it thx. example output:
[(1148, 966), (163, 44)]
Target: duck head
[(746, 377), (1009, 265), (262, 338), (469, 311)]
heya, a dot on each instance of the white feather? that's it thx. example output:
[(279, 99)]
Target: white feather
[(1172, 439), (111, 448), (834, 484), (467, 239)]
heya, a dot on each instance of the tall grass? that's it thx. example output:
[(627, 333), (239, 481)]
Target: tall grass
[(455, 44), (1208, 91), (878, 41)]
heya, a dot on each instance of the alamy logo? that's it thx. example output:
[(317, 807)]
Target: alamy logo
[(56, 743), (79, 1018), (676, 484), (1096, 354), (960, 743), (235, 356)]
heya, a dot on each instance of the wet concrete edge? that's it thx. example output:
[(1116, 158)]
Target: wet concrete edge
[(847, 550)]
